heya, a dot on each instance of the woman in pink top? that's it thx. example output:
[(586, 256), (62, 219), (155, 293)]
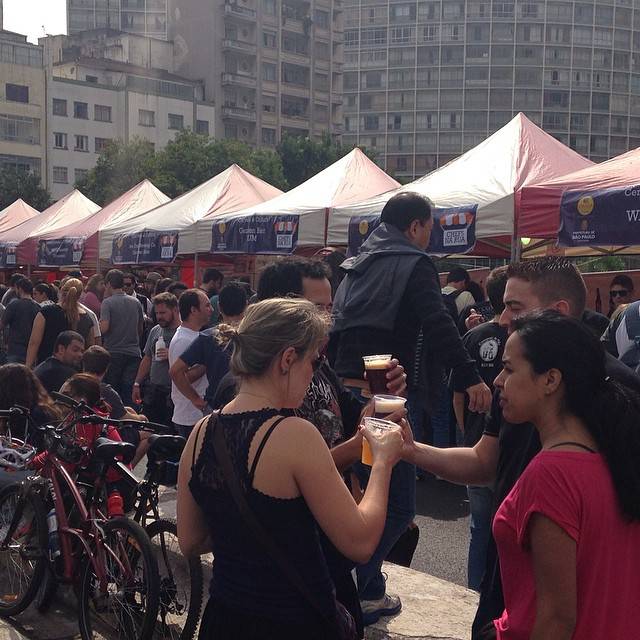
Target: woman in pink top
[(568, 534)]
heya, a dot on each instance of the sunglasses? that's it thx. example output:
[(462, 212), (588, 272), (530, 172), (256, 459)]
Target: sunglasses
[(618, 292)]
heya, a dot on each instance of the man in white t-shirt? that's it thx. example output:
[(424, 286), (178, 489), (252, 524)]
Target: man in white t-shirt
[(195, 312)]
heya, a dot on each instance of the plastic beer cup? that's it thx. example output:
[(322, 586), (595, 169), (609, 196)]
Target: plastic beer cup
[(375, 426), (383, 405), (376, 367)]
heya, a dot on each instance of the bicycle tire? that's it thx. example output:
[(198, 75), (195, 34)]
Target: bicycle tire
[(180, 606), (47, 591), (32, 551), (137, 612)]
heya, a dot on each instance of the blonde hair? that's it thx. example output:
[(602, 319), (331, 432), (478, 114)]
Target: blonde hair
[(71, 291), (268, 328)]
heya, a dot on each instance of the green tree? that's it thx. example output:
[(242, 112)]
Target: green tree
[(303, 158), (601, 263), (267, 165), (120, 166), (16, 184)]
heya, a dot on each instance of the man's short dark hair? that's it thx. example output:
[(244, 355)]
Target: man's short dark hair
[(45, 289), (96, 360), (403, 208), (174, 287), (167, 299), (115, 278), (188, 300), (552, 279), (284, 277), (212, 275), (232, 299), (15, 278), (132, 277), (458, 274), (622, 280), (65, 338), (495, 285), (25, 285)]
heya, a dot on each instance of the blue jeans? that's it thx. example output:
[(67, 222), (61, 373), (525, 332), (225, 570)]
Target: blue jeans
[(480, 502), (441, 419), (401, 510), (121, 375)]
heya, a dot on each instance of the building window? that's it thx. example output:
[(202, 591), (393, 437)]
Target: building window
[(202, 127), (60, 175), (269, 71), (16, 92), (82, 143), (102, 113), (371, 123), (59, 107), (269, 7), (100, 144), (81, 110), (91, 79), (80, 174), (176, 121), (322, 18), (269, 39), (19, 129), (268, 136), (60, 140), (146, 118)]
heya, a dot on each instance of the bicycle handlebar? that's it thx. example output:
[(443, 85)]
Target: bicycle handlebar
[(139, 424)]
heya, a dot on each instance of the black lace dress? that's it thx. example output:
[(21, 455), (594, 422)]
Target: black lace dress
[(249, 596)]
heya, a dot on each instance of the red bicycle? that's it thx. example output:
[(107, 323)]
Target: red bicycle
[(109, 562)]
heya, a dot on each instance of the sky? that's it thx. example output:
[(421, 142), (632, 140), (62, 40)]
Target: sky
[(35, 17)]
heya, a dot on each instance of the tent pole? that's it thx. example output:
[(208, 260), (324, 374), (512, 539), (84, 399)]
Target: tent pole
[(195, 269), (516, 247), (327, 212)]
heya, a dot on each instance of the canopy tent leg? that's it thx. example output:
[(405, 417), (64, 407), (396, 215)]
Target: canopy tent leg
[(195, 269)]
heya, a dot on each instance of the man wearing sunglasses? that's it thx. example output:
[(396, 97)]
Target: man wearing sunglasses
[(620, 292)]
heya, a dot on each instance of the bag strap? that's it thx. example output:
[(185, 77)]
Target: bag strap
[(259, 532)]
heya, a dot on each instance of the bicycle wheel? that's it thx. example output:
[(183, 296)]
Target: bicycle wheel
[(127, 606), (180, 584), (23, 560), (47, 591)]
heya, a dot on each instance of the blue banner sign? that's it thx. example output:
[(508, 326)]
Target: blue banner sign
[(600, 217), (454, 230), (61, 252), (145, 247), (256, 235), (8, 254)]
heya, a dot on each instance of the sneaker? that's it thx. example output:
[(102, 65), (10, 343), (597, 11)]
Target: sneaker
[(373, 610)]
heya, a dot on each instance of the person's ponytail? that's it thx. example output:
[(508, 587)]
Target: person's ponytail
[(72, 290)]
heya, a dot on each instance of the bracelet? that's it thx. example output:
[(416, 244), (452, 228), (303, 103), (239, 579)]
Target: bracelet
[(136, 384)]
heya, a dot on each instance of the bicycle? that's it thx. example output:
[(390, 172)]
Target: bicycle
[(109, 561), (181, 579)]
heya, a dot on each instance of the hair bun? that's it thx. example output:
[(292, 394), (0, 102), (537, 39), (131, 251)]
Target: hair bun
[(228, 334)]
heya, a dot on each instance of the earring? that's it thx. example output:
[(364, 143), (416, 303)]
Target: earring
[(285, 371)]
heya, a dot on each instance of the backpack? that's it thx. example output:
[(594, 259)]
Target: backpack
[(631, 319), (450, 303)]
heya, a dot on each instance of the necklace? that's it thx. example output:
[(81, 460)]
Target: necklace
[(255, 395)]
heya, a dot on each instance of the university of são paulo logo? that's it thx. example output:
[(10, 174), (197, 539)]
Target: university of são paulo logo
[(363, 227), (585, 209), (222, 227)]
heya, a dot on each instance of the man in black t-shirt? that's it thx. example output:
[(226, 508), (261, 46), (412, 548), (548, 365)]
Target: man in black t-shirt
[(18, 318), (64, 363), (504, 450), (485, 344)]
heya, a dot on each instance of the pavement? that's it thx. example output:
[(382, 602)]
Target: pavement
[(442, 515)]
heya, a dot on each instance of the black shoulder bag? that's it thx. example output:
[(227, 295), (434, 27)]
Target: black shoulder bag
[(340, 628)]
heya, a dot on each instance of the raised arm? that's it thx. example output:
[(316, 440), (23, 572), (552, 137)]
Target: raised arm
[(37, 333)]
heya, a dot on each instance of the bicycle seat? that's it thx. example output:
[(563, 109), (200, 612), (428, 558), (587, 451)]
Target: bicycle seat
[(165, 447), (106, 450)]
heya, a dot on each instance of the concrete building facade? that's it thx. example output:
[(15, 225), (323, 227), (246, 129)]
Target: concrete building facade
[(142, 17), (425, 80), (273, 67), (23, 126), (94, 100)]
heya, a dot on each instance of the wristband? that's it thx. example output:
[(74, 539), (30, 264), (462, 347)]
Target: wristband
[(136, 384)]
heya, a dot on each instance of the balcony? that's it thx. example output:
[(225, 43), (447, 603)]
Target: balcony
[(239, 46), (321, 95), (338, 67), (239, 113), (243, 13), (295, 57), (338, 37), (297, 90), (239, 80)]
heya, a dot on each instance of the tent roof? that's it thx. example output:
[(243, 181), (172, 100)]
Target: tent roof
[(16, 214), (138, 199), (234, 188), (539, 215), (518, 154), (347, 180), (73, 207)]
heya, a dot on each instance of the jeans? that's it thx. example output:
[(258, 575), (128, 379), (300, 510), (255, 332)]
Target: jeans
[(156, 404), (480, 503), (121, 375), (183, 430), (400, 513), (441, 419)]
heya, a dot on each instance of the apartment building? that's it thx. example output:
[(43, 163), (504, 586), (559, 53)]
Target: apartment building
[(22, 105), (273, 67), (94, 100), (142, 17), (426, 80)]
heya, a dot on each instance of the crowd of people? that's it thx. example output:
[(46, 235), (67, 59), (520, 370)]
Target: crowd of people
[(514, 395)]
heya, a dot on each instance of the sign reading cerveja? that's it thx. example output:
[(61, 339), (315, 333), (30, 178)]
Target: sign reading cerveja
[(256, 234), (147, 246), (60, 252), (600, 217), (454, 230)]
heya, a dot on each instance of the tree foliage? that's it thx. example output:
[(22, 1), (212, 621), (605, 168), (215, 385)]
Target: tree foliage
[(16, 184), (190, 159)]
